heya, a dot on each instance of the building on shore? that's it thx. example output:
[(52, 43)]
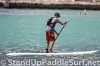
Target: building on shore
[(50, 0), (60, 4)]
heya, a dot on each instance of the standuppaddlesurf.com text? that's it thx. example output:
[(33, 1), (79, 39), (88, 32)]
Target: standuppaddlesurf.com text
[(58, 62)]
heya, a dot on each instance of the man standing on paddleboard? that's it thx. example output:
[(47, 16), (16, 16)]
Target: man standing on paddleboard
[(50, 37)]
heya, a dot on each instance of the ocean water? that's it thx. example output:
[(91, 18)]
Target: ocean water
[(23, 30)]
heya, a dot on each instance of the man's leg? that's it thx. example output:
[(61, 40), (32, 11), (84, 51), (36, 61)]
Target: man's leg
[(47, 45), (51, 46)]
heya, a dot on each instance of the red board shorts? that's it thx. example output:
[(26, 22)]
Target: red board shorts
[(50, 36)]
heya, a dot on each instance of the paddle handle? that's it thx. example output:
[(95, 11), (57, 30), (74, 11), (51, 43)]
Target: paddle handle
[(60, 32)]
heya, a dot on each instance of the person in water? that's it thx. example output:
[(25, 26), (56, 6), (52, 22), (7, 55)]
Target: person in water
[(84, 11), (50, 36), (80, 13)]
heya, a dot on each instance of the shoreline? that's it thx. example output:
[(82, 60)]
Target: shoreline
[(52, 5)]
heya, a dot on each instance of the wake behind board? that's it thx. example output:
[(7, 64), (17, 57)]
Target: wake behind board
[(47, 54)]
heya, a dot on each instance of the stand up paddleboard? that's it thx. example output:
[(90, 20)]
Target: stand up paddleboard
[(65, 53)]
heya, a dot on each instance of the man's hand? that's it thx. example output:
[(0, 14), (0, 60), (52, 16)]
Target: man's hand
[(67, 21), (57, 34)]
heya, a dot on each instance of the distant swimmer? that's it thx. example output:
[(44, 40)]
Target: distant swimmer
[(80, 13), (84, 11)]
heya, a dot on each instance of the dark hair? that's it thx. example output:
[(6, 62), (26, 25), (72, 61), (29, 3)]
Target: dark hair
[(57, 14)]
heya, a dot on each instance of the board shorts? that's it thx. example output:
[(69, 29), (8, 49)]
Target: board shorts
[(50, 36)]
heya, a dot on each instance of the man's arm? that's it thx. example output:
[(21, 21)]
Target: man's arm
[(56, 32), (62, 23)]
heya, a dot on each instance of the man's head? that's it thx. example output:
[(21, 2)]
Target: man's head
[(57, 14)]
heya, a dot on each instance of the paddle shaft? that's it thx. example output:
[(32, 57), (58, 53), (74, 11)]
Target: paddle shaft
[(60, 32)]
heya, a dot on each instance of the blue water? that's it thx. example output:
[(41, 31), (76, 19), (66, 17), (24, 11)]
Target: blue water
[(23, 30)]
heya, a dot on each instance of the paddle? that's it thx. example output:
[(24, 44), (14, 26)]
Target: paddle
[(60, 32)]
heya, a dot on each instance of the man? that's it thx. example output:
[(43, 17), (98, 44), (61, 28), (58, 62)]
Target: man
[(50, 37), (84, 11)]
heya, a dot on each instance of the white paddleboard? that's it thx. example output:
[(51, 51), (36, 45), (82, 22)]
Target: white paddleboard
[(65, 53)]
